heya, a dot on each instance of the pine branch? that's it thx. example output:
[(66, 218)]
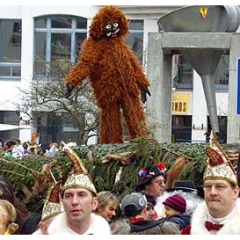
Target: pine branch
[(18, 164)]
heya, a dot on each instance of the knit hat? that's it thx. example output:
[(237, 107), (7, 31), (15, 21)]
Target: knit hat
[(52, 205), (79, 177), (177, 202), (147, 174), (135, 199), (218, 164)]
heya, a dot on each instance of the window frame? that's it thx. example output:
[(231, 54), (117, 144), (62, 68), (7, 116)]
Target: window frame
[(10, 65), (49, 31)]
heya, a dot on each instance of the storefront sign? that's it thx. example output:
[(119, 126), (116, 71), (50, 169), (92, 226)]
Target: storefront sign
[(180, 103)]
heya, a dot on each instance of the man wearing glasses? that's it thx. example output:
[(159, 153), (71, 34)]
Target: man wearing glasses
[(220, 212)]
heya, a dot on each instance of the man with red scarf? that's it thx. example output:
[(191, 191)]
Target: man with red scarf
[(220, 212), (134, 207)]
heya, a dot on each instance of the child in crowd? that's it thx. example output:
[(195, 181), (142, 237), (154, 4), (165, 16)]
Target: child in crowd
[(175, 208), (150, 211)]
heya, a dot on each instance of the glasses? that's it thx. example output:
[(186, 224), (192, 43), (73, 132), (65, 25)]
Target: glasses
[(218, 187)]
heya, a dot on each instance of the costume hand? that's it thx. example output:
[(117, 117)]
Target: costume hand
[(144, 93), (69, 90)]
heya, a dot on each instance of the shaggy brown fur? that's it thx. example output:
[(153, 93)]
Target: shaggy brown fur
[(115, 75)]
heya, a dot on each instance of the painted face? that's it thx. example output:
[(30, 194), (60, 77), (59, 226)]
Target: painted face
[(111, 29), (220, 197)]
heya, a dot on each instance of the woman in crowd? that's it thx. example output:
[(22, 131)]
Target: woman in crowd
[(107, 205)]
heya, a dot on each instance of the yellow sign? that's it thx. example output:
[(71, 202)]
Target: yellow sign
[(180, 103)]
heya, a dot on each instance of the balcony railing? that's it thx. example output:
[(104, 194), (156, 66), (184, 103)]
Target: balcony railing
[(11, 70), (45, 70), (184, 77)]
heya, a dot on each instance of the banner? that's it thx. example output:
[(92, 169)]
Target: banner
[(180, 103)]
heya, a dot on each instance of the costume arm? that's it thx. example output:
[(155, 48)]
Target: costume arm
[(142, 80)]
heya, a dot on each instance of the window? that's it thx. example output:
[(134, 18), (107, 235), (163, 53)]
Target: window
[(11, 118), (181, 128), (57, 40), (182, 72), (10, 52), (221, 75), (135, 38)]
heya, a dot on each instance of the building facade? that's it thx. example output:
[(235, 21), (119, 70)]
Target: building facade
[(33, 38)]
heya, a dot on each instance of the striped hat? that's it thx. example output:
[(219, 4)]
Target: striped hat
[(177, 202)]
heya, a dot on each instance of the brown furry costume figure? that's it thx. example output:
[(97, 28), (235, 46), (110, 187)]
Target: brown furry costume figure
[(115, 75)]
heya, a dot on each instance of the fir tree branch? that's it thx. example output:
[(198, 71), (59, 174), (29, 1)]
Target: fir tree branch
[(18, 164), (8, 171)]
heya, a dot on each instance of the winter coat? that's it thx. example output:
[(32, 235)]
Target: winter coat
[(144, 225), (182, 220)]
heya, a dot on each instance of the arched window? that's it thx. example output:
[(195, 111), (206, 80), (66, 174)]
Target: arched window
[(57, 39)]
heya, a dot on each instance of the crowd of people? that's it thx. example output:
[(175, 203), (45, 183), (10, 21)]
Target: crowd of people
[(75, 207), (18, 150)]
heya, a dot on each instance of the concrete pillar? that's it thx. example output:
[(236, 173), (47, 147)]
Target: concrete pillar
[(233, 129), (160, 49), (159, 104), (199, 111)]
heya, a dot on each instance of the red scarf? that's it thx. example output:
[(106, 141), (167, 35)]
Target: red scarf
[(211, 226), (137, 219)]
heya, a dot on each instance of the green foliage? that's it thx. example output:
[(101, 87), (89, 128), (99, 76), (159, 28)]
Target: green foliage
[(104, 172), (22, 172)]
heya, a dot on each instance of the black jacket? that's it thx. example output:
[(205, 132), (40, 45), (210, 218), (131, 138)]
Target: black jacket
[(144, 225)]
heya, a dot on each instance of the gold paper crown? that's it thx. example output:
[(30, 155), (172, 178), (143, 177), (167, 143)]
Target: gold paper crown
[(79, 178), (218, 164), (52, 205)]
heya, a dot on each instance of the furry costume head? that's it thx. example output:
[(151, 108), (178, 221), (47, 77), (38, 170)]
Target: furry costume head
[(110, 21)]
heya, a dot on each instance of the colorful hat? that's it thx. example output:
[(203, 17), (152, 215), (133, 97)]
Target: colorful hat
[(218, 164), (52, 205), (147, 174), (177, 202), (79, 177)]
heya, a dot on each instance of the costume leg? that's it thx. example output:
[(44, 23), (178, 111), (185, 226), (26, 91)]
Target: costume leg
[(135, 117), (110, 124)]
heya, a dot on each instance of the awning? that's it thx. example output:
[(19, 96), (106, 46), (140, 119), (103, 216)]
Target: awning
[(7, 127)]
